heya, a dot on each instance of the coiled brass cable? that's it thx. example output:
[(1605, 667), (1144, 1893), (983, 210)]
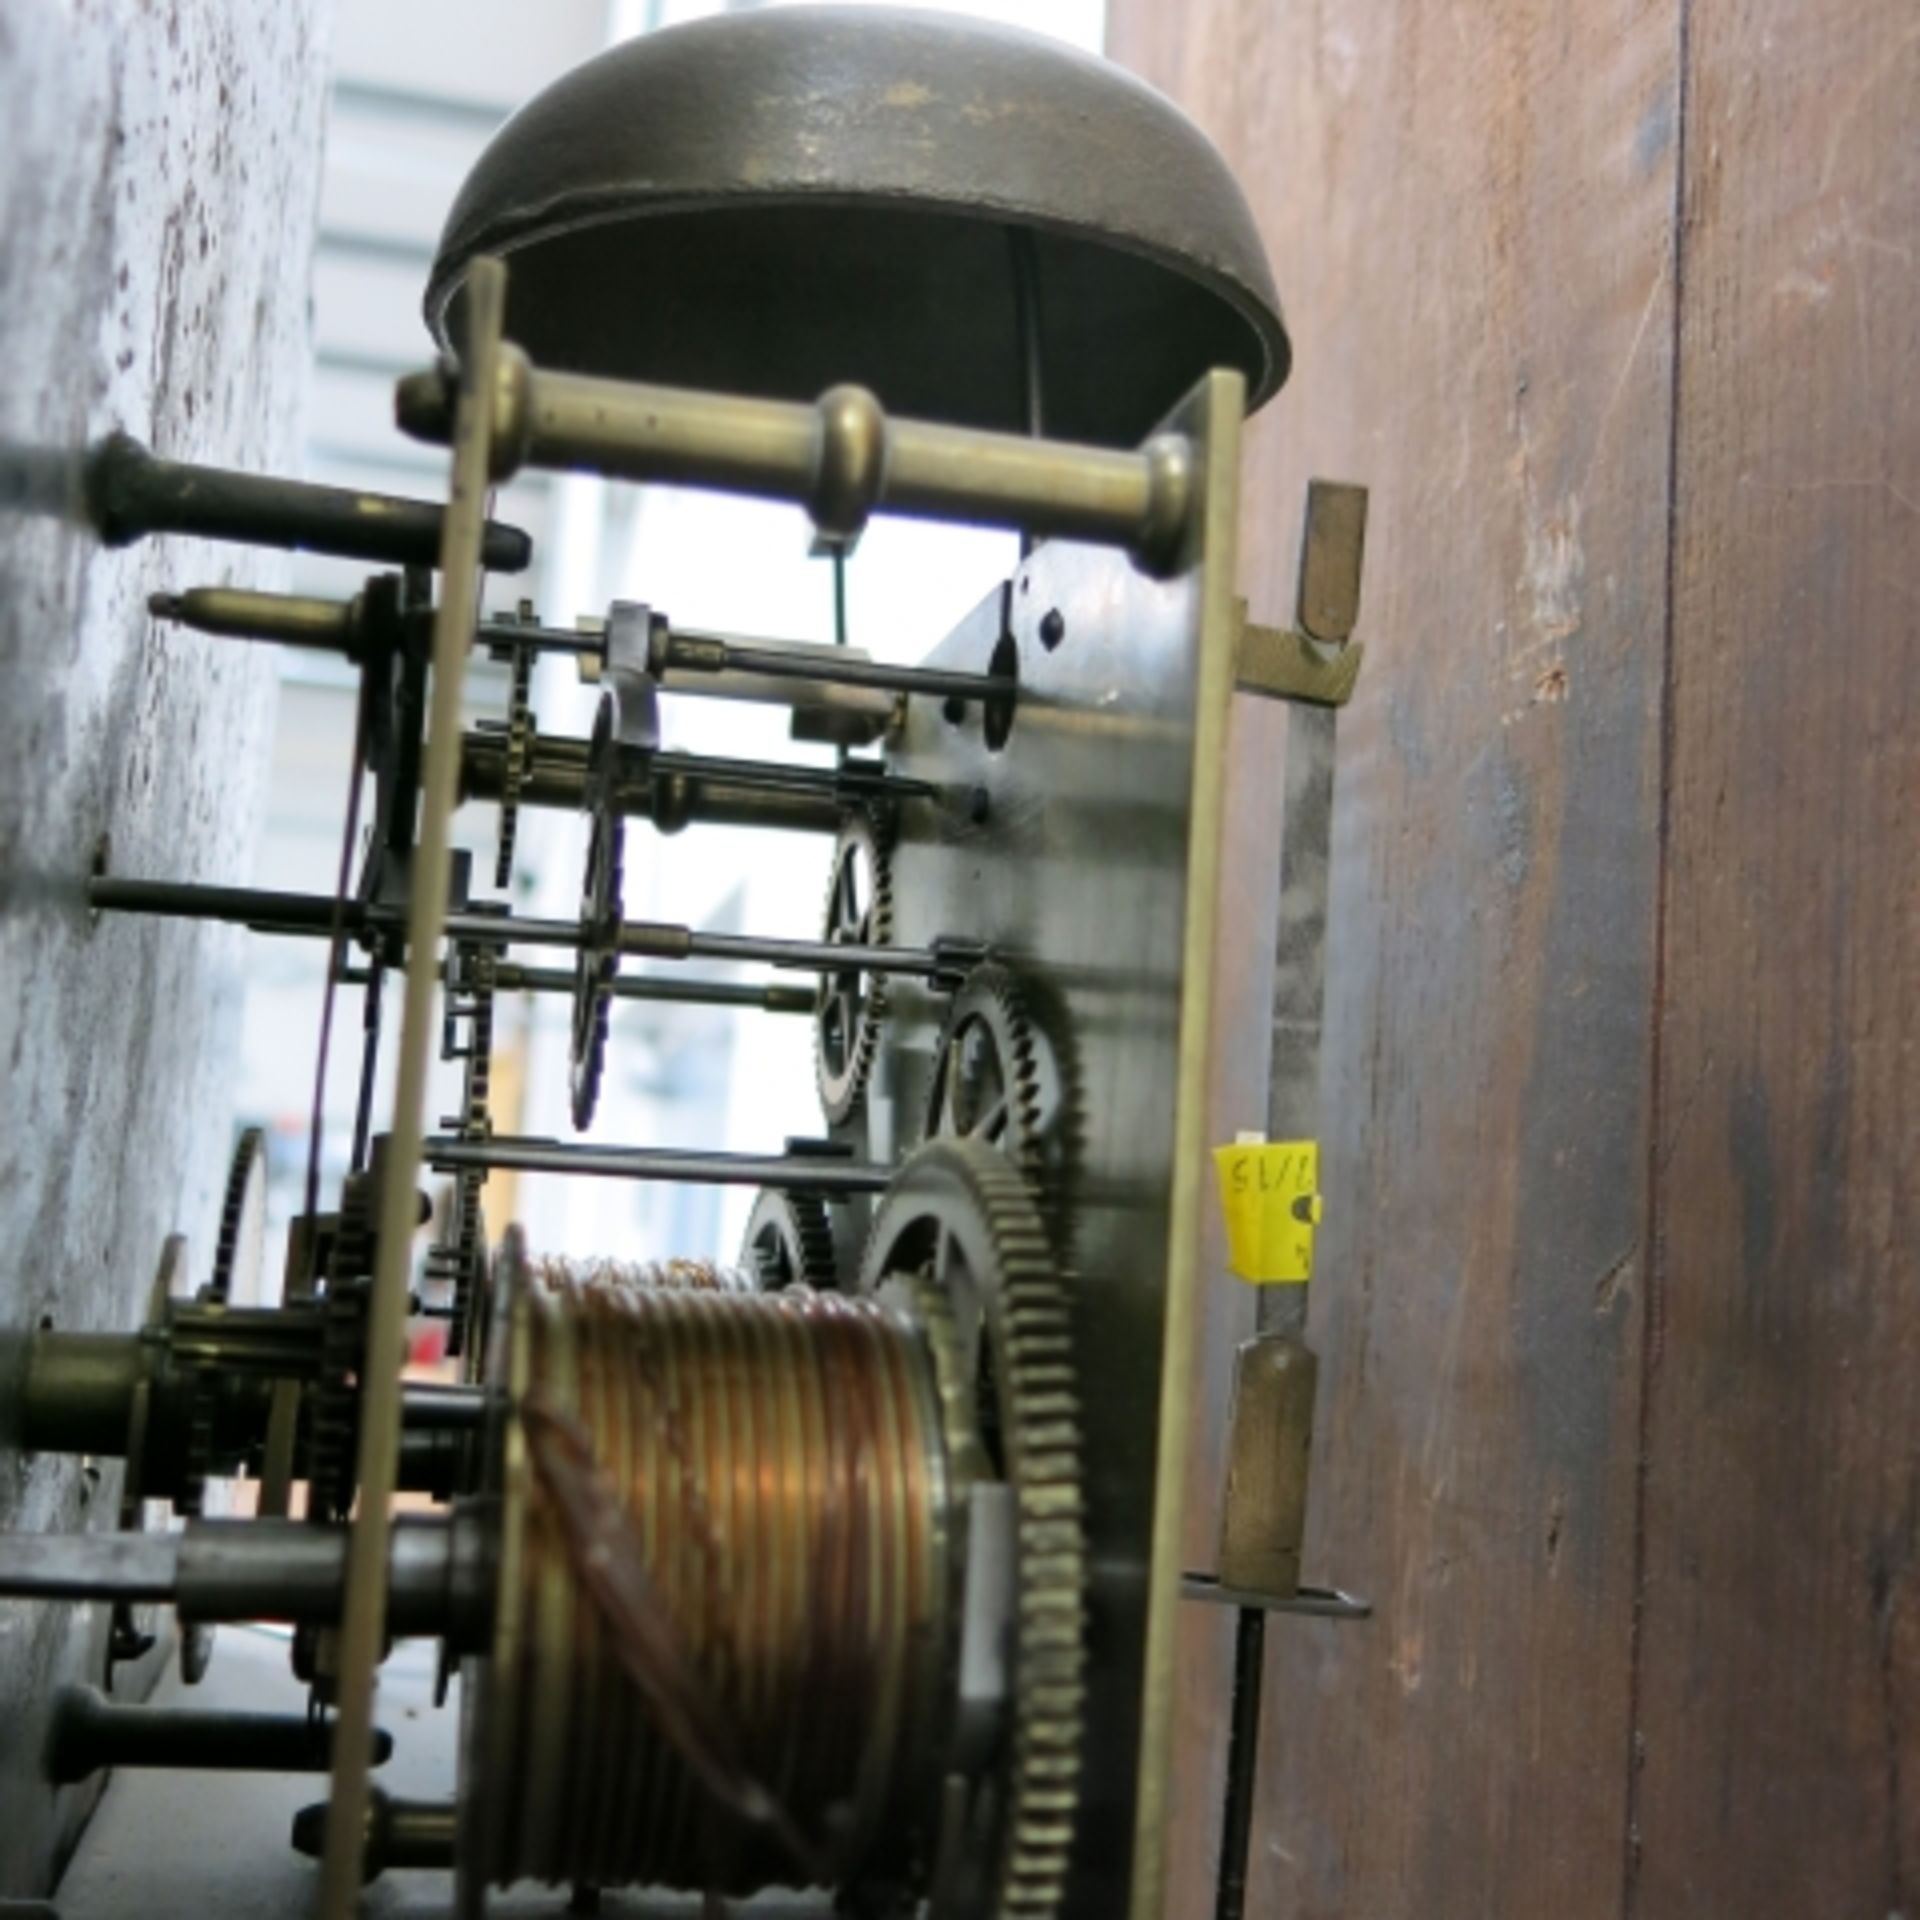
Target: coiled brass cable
[(772, 1469), (556, 1271)]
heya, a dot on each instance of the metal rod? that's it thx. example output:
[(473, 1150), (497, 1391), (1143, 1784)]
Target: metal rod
[(841, 458), (364, 1619), (88, 1732), (876, 673), (277, 1341), (485, 757), (131, 493), (511, 977), (78, 1391), (663, 940), (302, 913), (804, 956), (866, 712), (89, 1566), (257, 907), (811, 674), (1243, 1763), (772, 998), (400, 1833), (839, 783), (233, 613), (511, 633), (694, 652), (300, 620), (441, 1406), (449, 1153), (556, 776), (260, 1569)]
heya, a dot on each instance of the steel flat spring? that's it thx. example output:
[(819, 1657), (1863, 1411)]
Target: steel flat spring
[(778, 1464)]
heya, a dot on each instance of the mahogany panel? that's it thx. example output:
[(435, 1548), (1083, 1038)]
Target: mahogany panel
[(1470, 214), (1779, 1679)]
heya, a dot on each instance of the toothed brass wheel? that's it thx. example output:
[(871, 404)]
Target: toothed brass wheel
[(789, 1242), (994, 1076), (520, 729), (852, 1002), (960, 1224), (241, 1251)]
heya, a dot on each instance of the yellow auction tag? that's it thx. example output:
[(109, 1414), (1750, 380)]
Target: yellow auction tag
[(1270, 1192)]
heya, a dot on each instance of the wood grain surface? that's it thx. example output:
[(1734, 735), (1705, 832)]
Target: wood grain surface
[(1779, 1671), (1613, 308)]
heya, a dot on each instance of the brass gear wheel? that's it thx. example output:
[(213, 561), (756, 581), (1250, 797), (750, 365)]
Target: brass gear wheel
[(959, 1222), (130, 1634), (238, 1254), (243, 1219), (457, 1260), (994, 1078), (334, 1423), (789, 1242), (850, 1005), (519, 757)]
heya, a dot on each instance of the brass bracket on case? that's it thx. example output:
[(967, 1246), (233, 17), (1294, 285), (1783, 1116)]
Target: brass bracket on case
[(1280, 664), (1312, 661)]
